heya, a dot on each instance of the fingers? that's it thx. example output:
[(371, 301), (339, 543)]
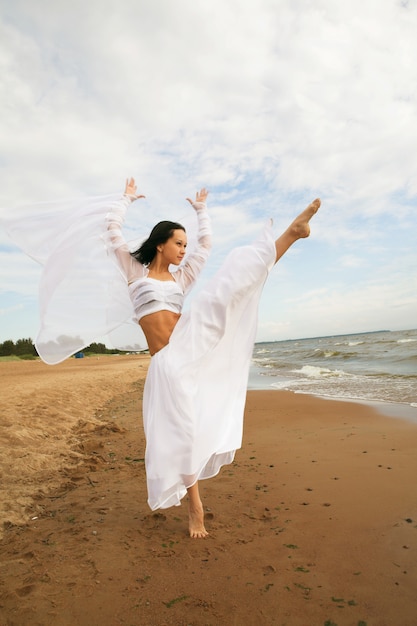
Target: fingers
[(200, 196), (131, 188), (130, 182)]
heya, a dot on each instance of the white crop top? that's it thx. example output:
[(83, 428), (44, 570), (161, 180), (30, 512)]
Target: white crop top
[(149, 295)]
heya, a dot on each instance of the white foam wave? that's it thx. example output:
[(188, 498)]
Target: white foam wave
[(264, 362), (312, 371)]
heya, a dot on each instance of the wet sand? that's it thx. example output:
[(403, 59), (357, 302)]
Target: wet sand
[(314, 523)]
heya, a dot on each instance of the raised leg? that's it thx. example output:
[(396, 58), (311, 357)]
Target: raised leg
[(298, 229), (196, 513)]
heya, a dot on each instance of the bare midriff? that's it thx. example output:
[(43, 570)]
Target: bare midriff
[(158, 328)]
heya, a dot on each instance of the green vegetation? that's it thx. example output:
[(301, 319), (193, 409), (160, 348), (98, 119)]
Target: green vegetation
[(174, 601), (342, 601), (25, 349)]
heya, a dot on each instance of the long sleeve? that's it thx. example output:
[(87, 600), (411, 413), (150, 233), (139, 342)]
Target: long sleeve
[(195, 261), (116, 244)]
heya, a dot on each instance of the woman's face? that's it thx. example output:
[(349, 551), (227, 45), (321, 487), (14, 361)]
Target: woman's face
[(173, 250)]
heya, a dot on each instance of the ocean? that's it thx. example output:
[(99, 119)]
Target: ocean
[(377, 367)]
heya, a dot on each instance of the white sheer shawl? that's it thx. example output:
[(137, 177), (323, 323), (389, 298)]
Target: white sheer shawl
[(82, 292)]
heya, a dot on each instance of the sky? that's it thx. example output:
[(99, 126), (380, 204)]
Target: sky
[(269, 104)]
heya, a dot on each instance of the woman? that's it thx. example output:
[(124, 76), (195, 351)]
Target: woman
[(196, 384)]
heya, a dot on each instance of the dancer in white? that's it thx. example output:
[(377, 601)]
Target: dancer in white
[(196, 384), (195, 390)]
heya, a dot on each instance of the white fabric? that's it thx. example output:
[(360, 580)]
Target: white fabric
[(82, 292), (149, 295), (195, 389)]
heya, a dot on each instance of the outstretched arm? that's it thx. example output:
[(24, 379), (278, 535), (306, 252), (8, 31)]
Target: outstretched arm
[(115, 240), (200, 207), (194, 262)]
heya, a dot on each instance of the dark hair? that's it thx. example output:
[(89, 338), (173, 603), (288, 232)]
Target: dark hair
[(159, 234)]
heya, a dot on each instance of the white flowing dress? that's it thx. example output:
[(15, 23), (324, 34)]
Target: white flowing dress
[(195, 389)]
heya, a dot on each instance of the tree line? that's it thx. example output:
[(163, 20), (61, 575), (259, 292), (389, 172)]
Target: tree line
[(26, 348)]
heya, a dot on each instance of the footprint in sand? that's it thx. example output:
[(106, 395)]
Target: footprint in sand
[(25, 591)]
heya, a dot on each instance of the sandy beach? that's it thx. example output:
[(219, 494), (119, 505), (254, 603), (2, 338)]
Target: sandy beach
[(314, 524)]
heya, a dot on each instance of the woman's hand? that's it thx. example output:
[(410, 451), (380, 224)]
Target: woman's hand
[(200, 196), (131, 189)]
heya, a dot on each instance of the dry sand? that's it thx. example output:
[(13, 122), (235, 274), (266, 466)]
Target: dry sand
[(314, 524)]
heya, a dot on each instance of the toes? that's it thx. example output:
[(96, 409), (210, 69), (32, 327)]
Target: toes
[(198, 534)]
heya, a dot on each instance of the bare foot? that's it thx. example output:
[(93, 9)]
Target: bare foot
[(300, 228), (196, 522)]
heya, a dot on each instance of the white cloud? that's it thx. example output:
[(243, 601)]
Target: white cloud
[(269, 104)]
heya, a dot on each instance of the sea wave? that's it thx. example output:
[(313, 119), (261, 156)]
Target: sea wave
[(329, 354), (264, 363), (373, 366), (312, 371)]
